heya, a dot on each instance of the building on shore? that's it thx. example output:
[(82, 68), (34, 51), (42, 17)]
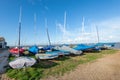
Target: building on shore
[(3, 43)]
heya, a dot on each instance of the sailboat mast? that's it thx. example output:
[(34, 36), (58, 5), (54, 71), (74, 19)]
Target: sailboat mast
[(65, 21), (97, 34), (35, 26), (19, 35), (64, 25), (47, 32), (83, 26), (19, 38), (83, 30)]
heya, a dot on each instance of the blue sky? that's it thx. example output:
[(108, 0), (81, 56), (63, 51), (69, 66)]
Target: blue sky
[(105, 14)]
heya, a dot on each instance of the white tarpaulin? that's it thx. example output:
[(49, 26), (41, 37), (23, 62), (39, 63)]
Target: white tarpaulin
[(21, 62)]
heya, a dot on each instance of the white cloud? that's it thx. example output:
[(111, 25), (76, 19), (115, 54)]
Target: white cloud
[(74, 36), (109, 31), (65, 33)]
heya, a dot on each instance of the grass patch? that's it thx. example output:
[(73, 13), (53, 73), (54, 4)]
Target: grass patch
[(55, 67)]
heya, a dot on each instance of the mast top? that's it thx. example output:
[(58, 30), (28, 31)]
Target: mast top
[(20, 14)]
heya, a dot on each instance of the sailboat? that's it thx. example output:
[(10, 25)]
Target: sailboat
[(49, 47), (17, 51), (21, 62), (98, 44), (48, 54), (85, 47), (34, 49), (66, 49)]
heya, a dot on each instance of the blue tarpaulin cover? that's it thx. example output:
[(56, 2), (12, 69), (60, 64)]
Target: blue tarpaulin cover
[(47, 47), (83, 47), (58, 52), (34, 49)]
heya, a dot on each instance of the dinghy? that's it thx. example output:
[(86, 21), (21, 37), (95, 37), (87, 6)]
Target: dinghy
[(84, 47), (33, 49), (45, 56), (58, 52), (21, 62), (70, 50), (16, 51)]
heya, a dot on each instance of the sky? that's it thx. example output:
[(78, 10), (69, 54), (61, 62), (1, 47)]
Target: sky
[(68, 21)]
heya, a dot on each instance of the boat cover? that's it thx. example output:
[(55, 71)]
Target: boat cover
[(15, 51), (21, 62), (67, 48), (34, 49)]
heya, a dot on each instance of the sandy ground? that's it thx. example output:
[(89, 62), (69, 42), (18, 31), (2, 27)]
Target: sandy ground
[(107, 68)]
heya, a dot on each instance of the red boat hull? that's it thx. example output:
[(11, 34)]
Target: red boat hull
[(16, 50)]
